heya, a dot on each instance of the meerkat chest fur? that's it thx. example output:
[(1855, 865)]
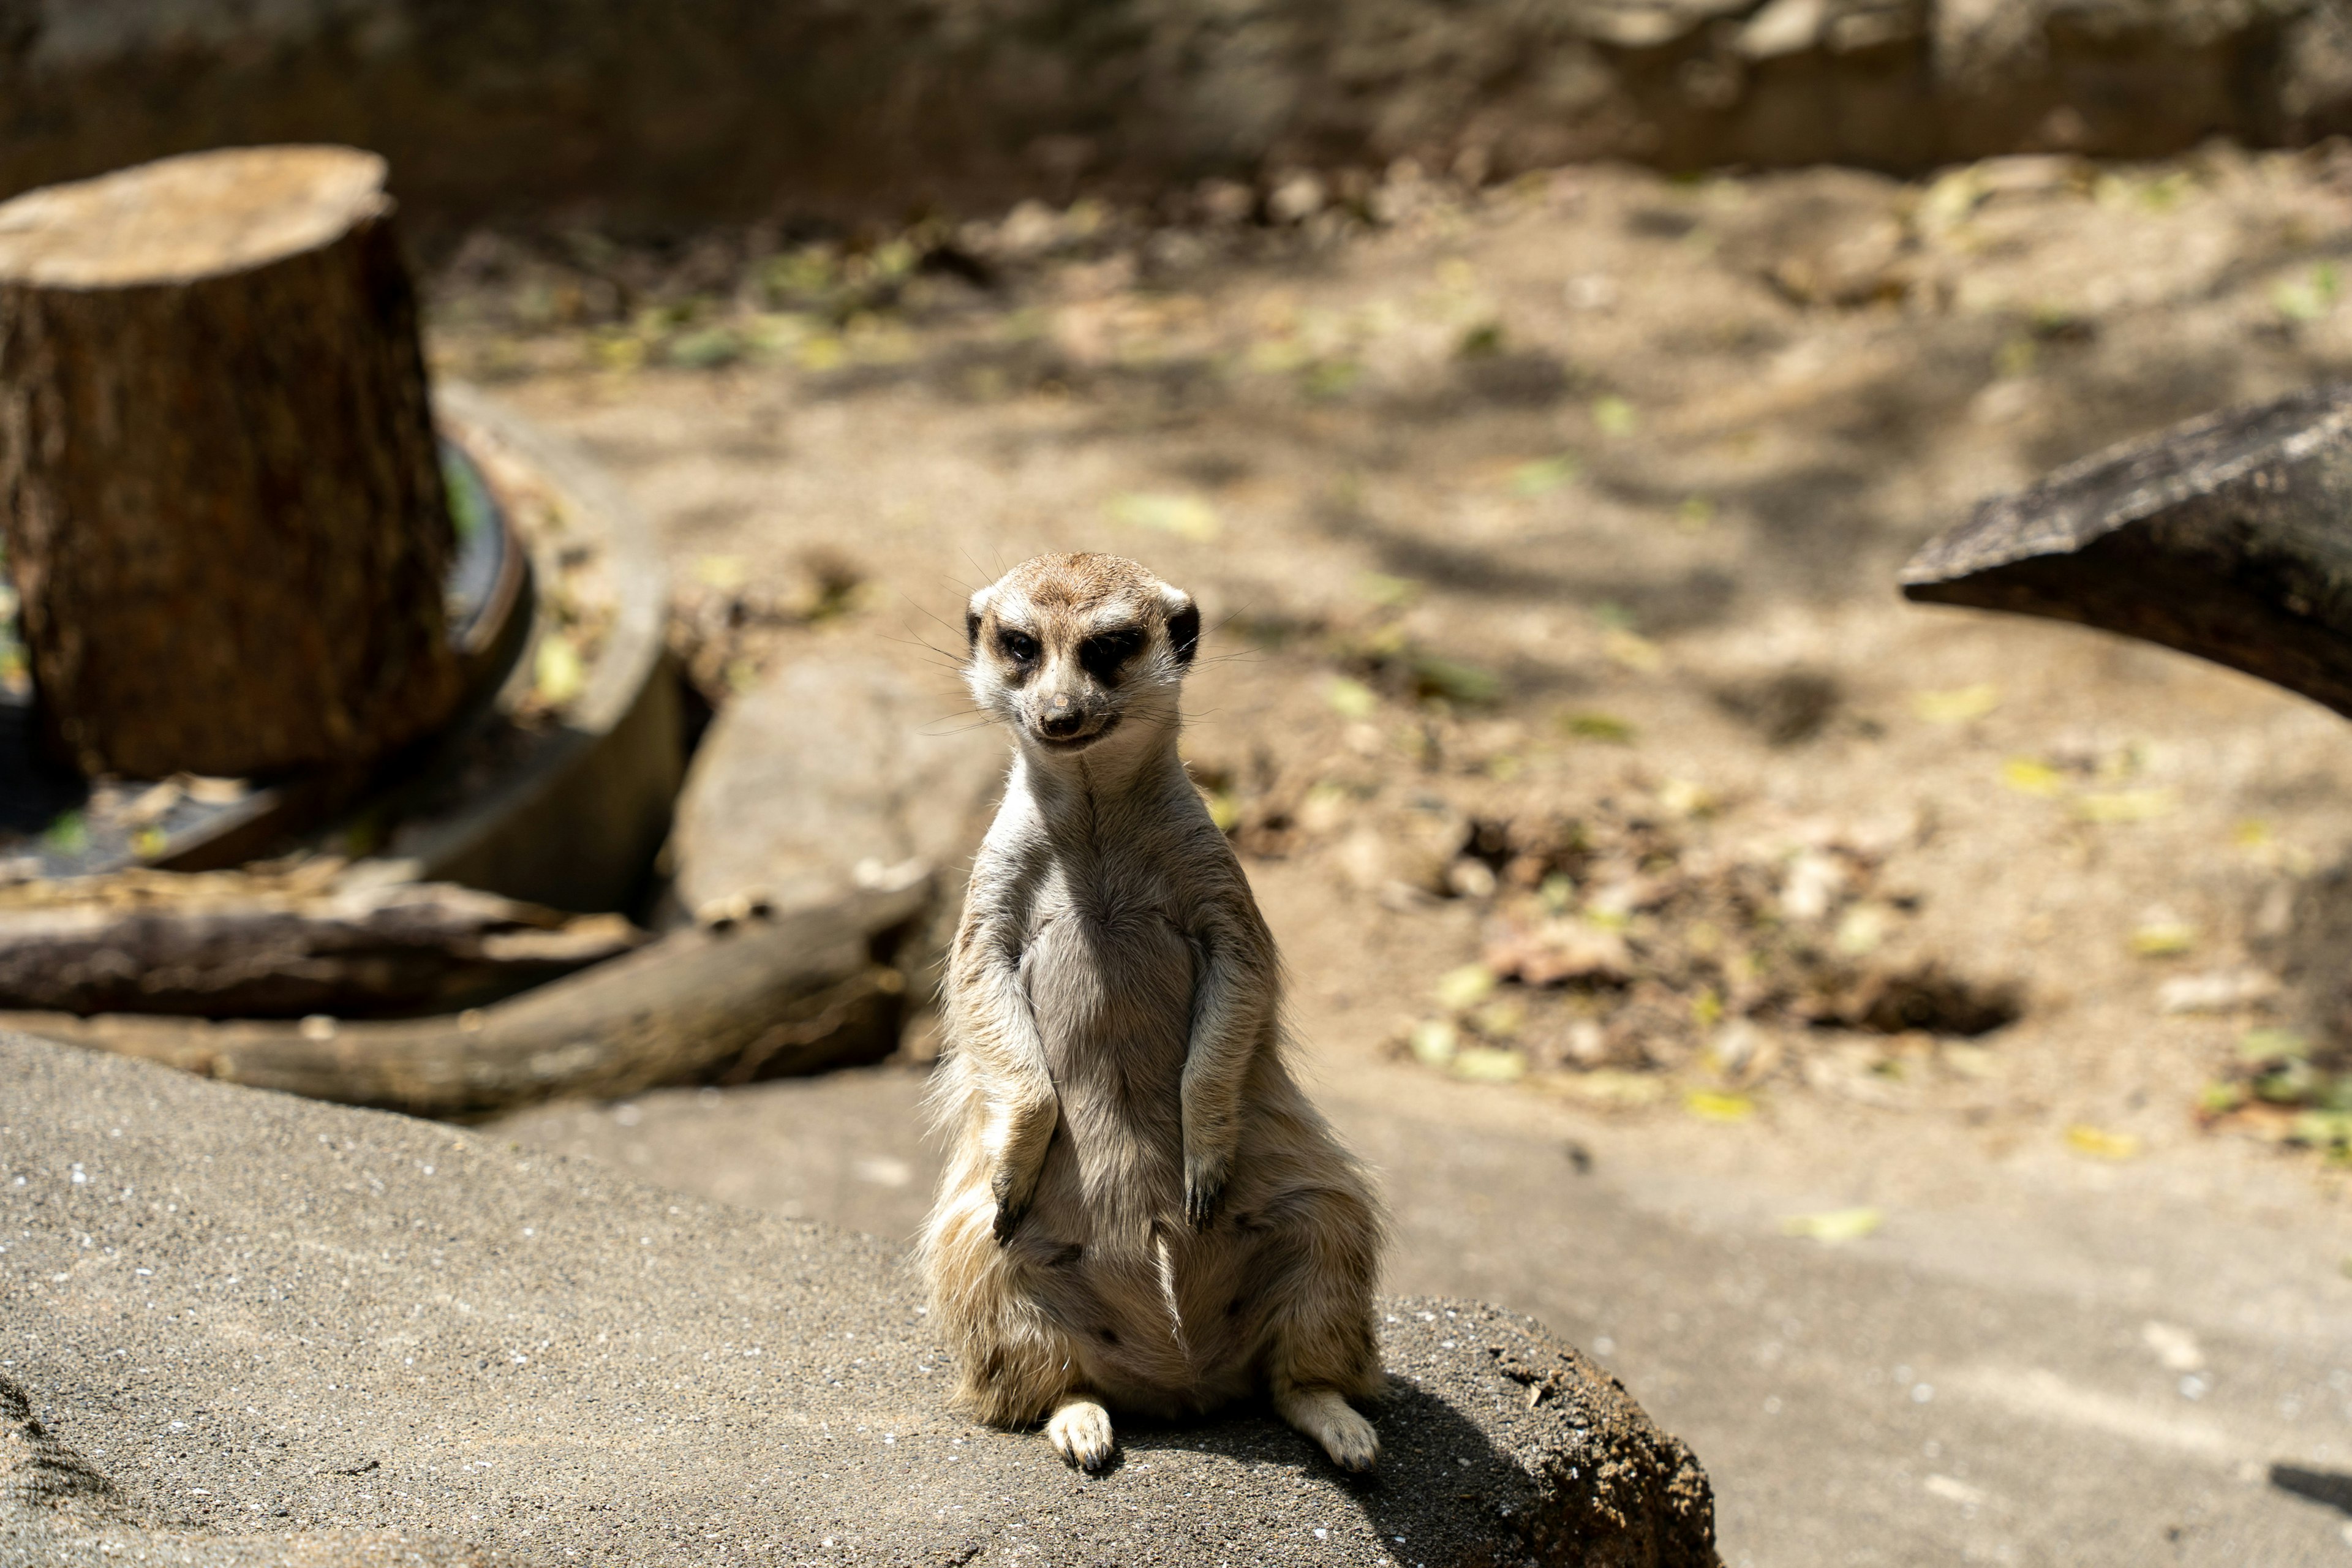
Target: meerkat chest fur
[(1112, 896)]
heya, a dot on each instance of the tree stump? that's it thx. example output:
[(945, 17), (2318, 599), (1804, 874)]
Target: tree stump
[(219, 482)]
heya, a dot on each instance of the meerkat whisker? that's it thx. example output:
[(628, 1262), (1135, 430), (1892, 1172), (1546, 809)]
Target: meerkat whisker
[(925, 610)]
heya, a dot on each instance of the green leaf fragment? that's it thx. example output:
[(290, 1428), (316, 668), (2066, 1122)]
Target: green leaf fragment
[(2294, 1083), (1433, 1041), (1454, 680), (1835, 1226), (1185, 516), (707, 349), (1464, 987), (1544, 475), (557, 674), (1481, 341), (1489, 1064), (2268, 1045), (2323, 1128), (2221, 1099), (1605, 728), (1350, 698)]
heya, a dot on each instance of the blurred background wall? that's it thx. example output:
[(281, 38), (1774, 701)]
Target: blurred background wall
[(656, 111)]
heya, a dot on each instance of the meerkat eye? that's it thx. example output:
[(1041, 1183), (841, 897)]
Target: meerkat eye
[(1103, 653), (1018, 646)]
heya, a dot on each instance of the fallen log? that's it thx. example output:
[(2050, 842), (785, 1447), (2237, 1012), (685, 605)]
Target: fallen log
[(310, 940), (752, 997), (2229, 537)]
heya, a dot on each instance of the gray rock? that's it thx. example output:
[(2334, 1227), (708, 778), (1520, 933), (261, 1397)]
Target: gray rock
[(839, 772), (59, 1512), (243, 1328)]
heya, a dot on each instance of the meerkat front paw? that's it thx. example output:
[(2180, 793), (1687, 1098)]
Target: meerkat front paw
[(1323, 1414), (1204, 1188), (1349, 1440), (1080, 1433)]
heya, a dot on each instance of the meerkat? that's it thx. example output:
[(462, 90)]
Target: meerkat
[(1140, 1210)]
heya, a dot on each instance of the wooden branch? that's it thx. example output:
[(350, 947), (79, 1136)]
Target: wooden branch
[(2229, 537), (218, 478), (231, 944), (698, 1002)]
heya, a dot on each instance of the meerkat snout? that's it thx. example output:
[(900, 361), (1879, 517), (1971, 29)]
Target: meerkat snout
[(1062, 719), (1068, 649)]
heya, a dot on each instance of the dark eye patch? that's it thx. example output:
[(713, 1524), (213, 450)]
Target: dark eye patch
[(1102, 654), (1017, 645)]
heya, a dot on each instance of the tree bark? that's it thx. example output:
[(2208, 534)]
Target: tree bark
[(231, 945), (753, 999), (219, 481), (2229, 537)]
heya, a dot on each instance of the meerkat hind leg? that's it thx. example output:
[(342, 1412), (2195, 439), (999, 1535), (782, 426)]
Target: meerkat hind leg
[(1324, 1414), (1080, 1432)]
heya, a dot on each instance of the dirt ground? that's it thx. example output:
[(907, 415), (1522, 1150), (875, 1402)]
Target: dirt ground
[(1559, 693), (1548, 536)]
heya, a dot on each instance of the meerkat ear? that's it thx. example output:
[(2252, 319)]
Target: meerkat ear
[(977, 607), (1184, 626)]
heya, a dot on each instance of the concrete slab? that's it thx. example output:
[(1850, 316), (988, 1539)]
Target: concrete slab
[(2029, 1363), (240, 1328)]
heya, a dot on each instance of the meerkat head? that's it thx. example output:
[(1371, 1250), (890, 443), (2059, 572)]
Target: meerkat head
[(1068, 649)]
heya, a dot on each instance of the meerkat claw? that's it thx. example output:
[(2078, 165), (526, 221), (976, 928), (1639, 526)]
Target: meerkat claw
[(1204, 1188), (1201, 1209), (1080, 1433), (1010, 1209), (1351, 1442)]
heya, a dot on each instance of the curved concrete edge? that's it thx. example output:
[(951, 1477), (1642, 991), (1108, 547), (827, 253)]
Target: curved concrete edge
[(601, 789), (267, 1329)]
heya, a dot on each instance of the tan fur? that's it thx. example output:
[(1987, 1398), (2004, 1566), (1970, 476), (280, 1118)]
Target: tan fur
[(1140, 1210)]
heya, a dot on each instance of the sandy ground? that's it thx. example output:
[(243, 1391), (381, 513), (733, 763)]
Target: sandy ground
[(1580, 502)]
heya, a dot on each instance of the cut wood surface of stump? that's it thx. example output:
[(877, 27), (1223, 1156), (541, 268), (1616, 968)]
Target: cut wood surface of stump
[(219, 481)]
